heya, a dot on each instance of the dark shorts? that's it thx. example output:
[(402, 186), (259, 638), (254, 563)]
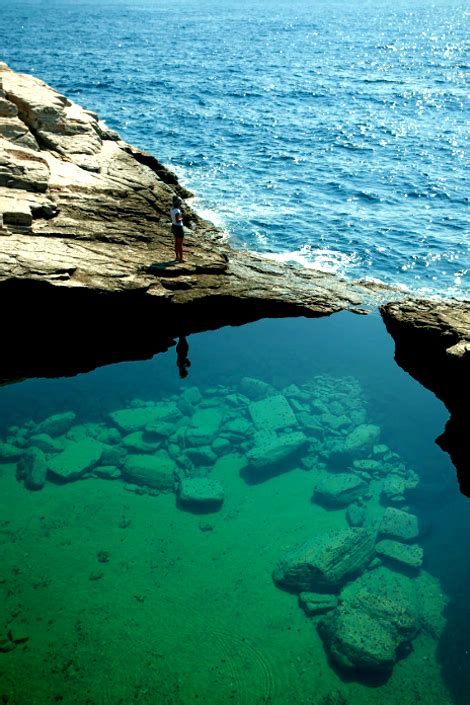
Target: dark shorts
[(177, 231)]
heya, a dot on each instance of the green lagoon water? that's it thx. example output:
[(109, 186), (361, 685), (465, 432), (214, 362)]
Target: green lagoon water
[(113, 593)]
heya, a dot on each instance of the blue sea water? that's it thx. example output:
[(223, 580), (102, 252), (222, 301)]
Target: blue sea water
[(328, 133)]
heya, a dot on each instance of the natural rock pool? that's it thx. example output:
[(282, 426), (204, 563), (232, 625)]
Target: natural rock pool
[(277, 525)]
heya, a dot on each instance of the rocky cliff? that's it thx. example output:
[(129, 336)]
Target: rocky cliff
[(87, 270)]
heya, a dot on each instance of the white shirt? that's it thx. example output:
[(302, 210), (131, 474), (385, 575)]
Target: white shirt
[(175, 213)]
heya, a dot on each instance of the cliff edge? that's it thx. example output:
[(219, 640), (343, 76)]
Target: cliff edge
[(87, 270)]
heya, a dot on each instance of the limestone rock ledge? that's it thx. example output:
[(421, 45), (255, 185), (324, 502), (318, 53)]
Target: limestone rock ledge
[(432, 343), (86, 256)]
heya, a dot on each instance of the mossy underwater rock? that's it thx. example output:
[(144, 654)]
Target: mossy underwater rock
[(314, 603), (32, 468), (9, 453), (367, 631), (397, 524), (136, 419), (56, 425), (326, 562), (46, 443), (271, 449), (272, 414), (76, 459), (360, 440), (339, 489), (157, 471), (201, 492), (406, 555)]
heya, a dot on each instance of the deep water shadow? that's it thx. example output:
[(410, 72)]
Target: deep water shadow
[(451, 566), (199, 508)]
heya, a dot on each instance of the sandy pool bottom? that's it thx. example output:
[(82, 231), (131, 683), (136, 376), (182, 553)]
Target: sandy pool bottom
[(124, 598)]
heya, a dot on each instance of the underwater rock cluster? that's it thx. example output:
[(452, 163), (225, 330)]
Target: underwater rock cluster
[(187, 441)]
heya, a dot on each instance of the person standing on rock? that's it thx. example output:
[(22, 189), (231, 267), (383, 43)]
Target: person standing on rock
[(177, 229)]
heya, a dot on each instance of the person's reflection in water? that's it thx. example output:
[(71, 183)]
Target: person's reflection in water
[(182, 349)]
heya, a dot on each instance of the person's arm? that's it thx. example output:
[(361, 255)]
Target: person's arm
[(179, 216)]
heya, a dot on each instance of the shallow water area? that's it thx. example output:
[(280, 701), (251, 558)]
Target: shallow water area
[(115, 589)]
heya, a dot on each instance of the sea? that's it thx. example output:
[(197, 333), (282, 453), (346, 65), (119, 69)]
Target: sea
[(329, 134)]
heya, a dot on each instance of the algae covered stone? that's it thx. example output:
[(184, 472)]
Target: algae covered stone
[(361, 439), (271, 449), (32, 468), (314, 603), (46, 443), (407, 555), (205, 426), (327, 561), (272, 414), (76, 459), (397, 524), (136, 419), (203, 492), (9, 453), (157, 471), (56, 425), (367, 631), (339, 489)]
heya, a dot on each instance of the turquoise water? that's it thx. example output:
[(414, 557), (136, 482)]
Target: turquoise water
[(115, 592), (329, 133)]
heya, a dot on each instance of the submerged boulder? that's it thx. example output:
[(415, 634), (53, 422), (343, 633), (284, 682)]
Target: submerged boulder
[(136, 419), (339, 489), (359, 441), (56, 425), (272, 414), (201, 492), (157, 471), (367, 631), (397, 524), (76, 459), (406, 555), (271, 449), (32, 468), (314, 603), (326, 562)]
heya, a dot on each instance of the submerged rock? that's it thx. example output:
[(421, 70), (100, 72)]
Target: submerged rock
[(363, 438), (339, 489), (407, 555), (356, 515), (314, 603), (270, 449), (130, 420), (397, 524), (76, 459), (326, 562), (56, 425), (158, 471), (272, 414), (367, 631), (46, 443), (256, 389), (203, 492), (9, 453), (32, 468)]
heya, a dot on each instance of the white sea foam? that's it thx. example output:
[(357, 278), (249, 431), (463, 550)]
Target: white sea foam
[(323, 260)]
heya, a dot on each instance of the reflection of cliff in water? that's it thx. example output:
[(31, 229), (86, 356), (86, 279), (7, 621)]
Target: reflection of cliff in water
[(287, 433)]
